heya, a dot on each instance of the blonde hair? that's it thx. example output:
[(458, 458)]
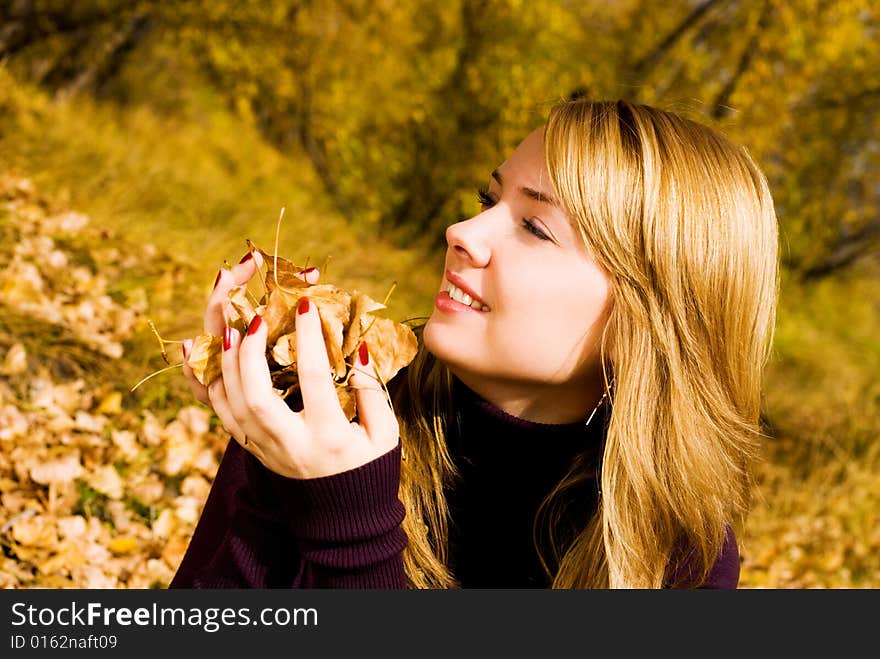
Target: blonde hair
[(683, 222)]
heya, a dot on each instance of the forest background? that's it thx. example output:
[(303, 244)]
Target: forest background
[(142, 142)]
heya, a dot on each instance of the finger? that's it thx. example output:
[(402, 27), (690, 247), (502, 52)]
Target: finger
[(313, 365), (220, 403), (374, 412), (219, 309), (310, 275), (262, 409), (232, 377), (199, 390)]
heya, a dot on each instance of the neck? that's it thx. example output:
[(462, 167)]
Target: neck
[(539, 403)]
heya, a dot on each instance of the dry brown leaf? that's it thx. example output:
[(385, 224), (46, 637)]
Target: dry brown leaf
[(239, 300), (173, 551), (279, 314), (67, 555), (288, 272), (35, 531), (106, 479), (392, 345), (284, 351), (347, 401), (62, 469), (204, 358), (361, 304), (15, 361)]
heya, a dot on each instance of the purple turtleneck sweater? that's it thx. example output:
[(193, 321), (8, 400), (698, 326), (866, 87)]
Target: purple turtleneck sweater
[(262, 530)]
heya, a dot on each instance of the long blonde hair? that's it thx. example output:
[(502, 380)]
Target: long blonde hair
[(683, 222)]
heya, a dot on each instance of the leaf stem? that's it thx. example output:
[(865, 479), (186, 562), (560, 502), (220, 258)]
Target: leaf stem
[(162, 370)]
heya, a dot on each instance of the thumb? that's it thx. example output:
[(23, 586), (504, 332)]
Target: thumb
[(374, 412)]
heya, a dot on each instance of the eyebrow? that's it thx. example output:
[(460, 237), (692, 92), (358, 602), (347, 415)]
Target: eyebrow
[(537, 195)]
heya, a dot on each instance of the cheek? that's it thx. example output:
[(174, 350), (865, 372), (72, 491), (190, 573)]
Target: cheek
[(566, 298), (565, 327)]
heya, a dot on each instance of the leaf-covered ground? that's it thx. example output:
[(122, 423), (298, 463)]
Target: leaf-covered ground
[(93, 495), (100, 489)]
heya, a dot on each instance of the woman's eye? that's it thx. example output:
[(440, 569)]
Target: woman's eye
[(534, 229), (484, 198), (486, 201)]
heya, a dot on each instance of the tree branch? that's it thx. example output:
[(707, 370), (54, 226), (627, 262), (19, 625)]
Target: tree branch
[(847, 250), (29, 26), (122, 42), (316, 151), (649, 61), (838, 102), (720, 106)]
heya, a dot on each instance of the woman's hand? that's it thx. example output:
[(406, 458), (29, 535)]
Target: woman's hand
[(319, 440)]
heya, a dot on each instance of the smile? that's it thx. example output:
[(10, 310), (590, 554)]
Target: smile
[(460, 296)]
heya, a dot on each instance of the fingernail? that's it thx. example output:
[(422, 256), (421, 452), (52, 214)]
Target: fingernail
[(303, 306), (364, 354), (309, 270), (227, 338), (184, 348), (217, 281), (255, 325), (246, 257)]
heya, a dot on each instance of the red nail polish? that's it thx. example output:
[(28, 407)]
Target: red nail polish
[(246, 257), (309, 270), (303, 306), (227, 338), (217, 281), (255, 325), (364, 354)]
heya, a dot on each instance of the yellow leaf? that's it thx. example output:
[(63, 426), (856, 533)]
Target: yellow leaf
[(110, 404), (123, 545)]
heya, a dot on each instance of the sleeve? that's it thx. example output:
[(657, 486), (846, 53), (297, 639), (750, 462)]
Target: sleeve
[(240, 540), (261, 530), (724, 573), (348, 526)]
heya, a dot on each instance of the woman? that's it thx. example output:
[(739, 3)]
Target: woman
[(584, 407)]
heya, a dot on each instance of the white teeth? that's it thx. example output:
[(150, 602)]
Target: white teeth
[(460, 296)]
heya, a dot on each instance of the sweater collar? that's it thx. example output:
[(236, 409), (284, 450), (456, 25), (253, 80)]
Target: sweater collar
[(492, 428)]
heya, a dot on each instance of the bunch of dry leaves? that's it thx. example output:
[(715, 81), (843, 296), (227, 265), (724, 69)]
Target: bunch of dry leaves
[(347, 319)]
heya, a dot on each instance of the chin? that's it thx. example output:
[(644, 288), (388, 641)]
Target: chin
[(430, 338), (465, 358), (440, 342)]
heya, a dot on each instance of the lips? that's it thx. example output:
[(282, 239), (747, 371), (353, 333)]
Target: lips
[(459, 291), (463, 298)]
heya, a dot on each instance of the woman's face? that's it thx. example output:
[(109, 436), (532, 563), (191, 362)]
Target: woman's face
[(522, 304)]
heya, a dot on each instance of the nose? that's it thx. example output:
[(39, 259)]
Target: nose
[(469, 239)]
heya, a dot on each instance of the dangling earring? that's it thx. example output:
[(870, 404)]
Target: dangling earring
[(601, 400)]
